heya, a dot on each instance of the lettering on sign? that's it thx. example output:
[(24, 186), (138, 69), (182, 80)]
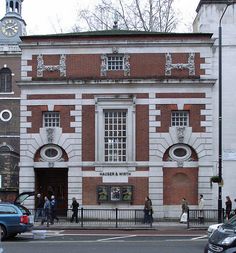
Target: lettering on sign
[(115, 174)]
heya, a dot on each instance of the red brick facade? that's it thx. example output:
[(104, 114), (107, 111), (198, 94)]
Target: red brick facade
[(116, 124), (180, 183), (90, 189), (143, 66)]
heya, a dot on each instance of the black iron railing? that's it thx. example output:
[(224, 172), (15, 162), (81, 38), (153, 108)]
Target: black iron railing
[(106, 217), (202, 218)]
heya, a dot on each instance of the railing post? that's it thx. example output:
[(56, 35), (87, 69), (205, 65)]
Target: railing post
[(82, 216), (188, 218), (116, 217)]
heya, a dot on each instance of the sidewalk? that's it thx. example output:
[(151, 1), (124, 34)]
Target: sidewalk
[(156, 226)]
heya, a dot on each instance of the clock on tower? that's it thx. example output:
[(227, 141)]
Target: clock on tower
[(12, 26)]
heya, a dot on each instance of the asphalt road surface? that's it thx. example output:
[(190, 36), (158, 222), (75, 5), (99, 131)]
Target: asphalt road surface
[(131, 242)]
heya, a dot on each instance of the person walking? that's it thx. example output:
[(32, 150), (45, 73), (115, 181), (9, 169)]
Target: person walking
[(201, 205), (75, 208), (228, 207), (148, 210), (184, 214), (46, 211), (53, 209), (39, 208)]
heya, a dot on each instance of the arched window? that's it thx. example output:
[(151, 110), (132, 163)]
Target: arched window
[(17, 8), (5, 80), (11, 6)]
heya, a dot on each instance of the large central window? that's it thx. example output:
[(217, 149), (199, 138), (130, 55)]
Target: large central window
[(115, 136), (115, 129)]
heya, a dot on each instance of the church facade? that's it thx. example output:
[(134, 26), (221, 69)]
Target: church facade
[(12, 26)]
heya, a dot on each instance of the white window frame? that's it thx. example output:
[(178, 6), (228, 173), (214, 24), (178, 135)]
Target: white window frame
[(48, 158), (115, 63), (9, 115), (115, 103), (120, 146), (52, 124), (181, 118)]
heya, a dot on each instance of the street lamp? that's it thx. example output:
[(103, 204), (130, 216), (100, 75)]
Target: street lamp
[(229, 2)]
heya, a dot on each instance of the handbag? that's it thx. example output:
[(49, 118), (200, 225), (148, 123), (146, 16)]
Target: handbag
[(184, 218)]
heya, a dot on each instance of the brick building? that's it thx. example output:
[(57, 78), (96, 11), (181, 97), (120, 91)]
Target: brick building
[(110, 117)]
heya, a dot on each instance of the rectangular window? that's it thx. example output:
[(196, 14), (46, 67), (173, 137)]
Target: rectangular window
[(180, 118), (51, 119), (115, 136), (115, 62)]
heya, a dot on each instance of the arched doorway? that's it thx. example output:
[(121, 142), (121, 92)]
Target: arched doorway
[(53, 181), (179, 179)]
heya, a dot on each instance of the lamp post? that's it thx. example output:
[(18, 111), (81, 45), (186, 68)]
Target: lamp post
[(229, 2)]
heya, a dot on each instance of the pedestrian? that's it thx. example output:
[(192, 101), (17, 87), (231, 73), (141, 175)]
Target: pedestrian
[(148, 211), (234, 206), (46, 211), (201, 205), (75, 208), (53, 209), (39, 208), (184, 214), (228, 207)]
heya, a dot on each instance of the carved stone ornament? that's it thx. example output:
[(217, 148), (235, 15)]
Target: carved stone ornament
[(180, 134), (50, 134), (190, 65), (180, 163), (103, 65), (126, 65), (115, 50), (61, 67)]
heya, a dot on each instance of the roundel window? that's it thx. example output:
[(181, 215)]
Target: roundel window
[(180, 152), (51, 153), (5, 115)]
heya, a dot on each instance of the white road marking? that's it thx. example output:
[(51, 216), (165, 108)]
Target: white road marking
[(200, 237), (115, 238)]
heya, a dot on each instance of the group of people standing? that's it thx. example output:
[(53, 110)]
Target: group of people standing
[(46, 210)]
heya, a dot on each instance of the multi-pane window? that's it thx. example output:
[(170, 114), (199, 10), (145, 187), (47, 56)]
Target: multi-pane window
[(115, 62), (51, 119), (180, 118), (115, 136), (5, 80)]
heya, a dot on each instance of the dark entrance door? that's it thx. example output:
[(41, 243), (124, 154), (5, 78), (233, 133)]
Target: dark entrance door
[(50, 182)]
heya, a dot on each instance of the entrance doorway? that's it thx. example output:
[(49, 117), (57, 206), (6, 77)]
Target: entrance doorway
[(50, 182)]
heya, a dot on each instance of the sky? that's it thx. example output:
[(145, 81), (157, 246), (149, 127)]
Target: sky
[(43, 16)]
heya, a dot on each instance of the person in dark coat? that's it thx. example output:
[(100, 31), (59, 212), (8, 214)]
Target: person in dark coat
[(148, 210), (39, 207), (75, 208), (228, 207), (53, 209)]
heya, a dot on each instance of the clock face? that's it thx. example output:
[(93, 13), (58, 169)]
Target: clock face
[(9, 27)]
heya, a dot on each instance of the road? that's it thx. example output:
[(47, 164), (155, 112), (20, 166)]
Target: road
[(109, 242)]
